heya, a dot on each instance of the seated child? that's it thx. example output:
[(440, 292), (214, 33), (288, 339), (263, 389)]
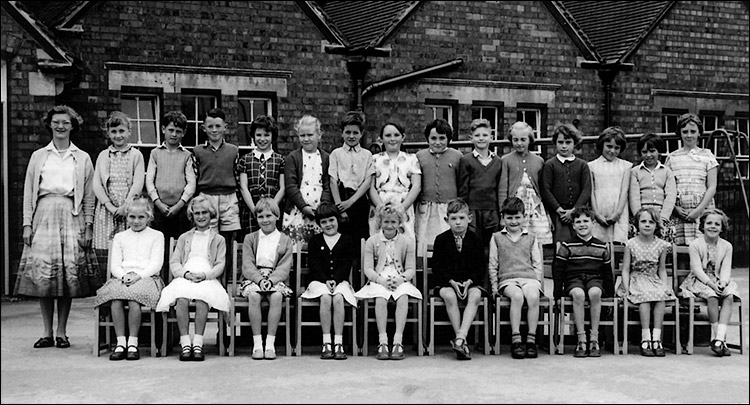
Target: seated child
[(520, 277), (390, 266), (331, 256), (710, 277), (582, 269), (458, 269), (135, 260), (197, 263), (266, 263)]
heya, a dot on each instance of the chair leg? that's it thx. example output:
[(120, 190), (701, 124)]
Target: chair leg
[(366, 325), (288, 329), (497, 329), (677, 340), (164, 333), (355, 347), (431, 337), (152, 331), (691, 325), (615, 327), (485, 327), (232, 331), (420, 339), (550, 329), (298, 329), (96, 332), (625, 320)]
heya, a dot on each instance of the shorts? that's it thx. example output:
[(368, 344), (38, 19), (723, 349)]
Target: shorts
[(228, 210), (521, 283), (584, 282)]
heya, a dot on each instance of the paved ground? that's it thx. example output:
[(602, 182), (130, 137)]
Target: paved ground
[(74, 376)]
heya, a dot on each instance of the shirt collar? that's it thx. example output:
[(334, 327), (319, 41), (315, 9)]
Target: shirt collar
[(356, 148), (266, 155), (476, 154), (524, 231), (262, 235), (164, 146), (317, 152), (565, 159), (112, 149), (206, 232), (384, 239), (208, 144), (659, 165), (51, 147)]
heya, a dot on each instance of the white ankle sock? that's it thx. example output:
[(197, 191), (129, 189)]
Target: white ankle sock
[(326, 338), (645, 335), (383, 338), (270, 342), (338, 339), (257, 342), (198, 340), (185, 340), (721, 332), (132, 341), (122, 341), (657, 334), (398, 338)]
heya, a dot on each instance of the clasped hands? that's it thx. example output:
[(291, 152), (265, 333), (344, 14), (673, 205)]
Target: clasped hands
[(331, 284), (462, 289), (130, 278)]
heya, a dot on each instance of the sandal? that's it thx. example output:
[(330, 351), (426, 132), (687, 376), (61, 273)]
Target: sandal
[(62, 342), (658, 348), (646, 349), (198, 353), (44, 342), (186, 354)]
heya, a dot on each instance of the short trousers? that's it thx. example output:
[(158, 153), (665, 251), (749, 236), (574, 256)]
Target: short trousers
[(228, 210), (584, 282), (521, 283)]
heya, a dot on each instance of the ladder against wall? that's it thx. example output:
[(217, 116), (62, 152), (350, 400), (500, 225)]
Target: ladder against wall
[(732, 138)]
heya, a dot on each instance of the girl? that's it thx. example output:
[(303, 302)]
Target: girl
[(266, 263), (331, 256), (644, 278), (57, 263), (389, 264), (118, 177), (695, 172), (610, 179), (261, 172), (397, 178), (307, 183), (196, 264), (710, 276), (137, 255), (652, 185), (519, 177)]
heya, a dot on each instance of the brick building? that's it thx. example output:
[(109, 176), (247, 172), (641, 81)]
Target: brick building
[(633, 64)]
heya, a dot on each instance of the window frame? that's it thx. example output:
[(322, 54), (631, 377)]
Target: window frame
[(272, 108), (197, 122), (719, 115), (541, 131), (671, 112), (150, 92), (445, 103)]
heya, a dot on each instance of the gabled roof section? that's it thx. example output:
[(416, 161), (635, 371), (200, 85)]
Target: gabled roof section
[(358, 25), (57, 14), (56, 55), (609, 31)]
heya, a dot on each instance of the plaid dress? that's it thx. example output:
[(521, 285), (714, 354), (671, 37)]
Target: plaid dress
[(263, 180)]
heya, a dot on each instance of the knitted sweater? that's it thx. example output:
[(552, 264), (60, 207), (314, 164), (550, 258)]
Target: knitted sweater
[(216, 168), (293, 178), (439, 175), (477, 183), (170, 176), (565, 185), (283, 259), (330, 264), (513, 259), (217, 252), (579, 257), (513, 166)]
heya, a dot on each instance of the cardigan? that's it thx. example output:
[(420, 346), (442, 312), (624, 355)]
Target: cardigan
[(698, 249), (330, 264), (439, 175), (217, 252), (101, 174), (656, 187), (512, 168), (404, 249), (565, 185), (450, 264), (283, 266), (83, 193), (293, 177), (477, 183), (141, 252)]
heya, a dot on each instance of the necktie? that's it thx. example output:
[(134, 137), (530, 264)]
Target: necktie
[(459, 243)]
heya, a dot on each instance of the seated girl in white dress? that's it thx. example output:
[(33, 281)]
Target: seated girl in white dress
[(196, 264)]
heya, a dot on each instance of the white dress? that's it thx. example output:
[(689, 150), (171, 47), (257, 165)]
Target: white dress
[(607, 181)]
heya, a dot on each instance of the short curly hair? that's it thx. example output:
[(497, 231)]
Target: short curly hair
[(75, 119), (389, 210), (201, 199), (714, 211)]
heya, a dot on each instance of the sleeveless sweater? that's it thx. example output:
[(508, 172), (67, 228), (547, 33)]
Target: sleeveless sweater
[(516, 257)]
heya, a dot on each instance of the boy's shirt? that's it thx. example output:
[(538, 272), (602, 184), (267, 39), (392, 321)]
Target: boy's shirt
[(167, 182), (350, 166), (582, 257), (216, 167)]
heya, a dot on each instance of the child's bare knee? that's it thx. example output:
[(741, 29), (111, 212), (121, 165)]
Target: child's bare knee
[(275, 298), (595, 294), (577, 294), (338, 299), (325, 300)]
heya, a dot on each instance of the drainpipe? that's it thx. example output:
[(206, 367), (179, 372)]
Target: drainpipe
[(357, 67), (607, 73), (411, 76)]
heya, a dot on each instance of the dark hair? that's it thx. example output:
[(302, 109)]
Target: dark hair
[(398, 127), (714, 211), (174, 117), (609, 134), (216, 113), (327, 210), (513, 206), (686, 119), (651, 140), (654, 217), (568, 131), (353, 118), (75, 119), (580, 211), (457, 205), (441, 127), (264, 122)]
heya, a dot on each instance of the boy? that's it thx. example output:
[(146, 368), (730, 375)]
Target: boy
[(582, 269), (170, 181), (566, 181), (478, 178), (520, 276), (458, 268), (350, 170), (439, 164)]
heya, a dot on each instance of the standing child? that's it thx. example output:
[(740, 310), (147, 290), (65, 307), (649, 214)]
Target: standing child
[(390, 266), (516, 272), (306, 179), (711, 276), (397, 178), (566, 181), (170, 180), (118, 177), (519, 177), (652, 185), (261, 171), (478, 178), (582, 269), (331, 256), (610, 180), (458, 268), (266, 263), (196, 265), (351, 172), (136, 259), (439, 165), (644, 279)]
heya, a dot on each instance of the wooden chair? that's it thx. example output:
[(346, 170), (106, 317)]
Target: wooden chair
[(672, 306), (303, 270), (436, 301), (680, 273), (414, 317), (103, 319), (238, 301), (609, 304), (171, 316)]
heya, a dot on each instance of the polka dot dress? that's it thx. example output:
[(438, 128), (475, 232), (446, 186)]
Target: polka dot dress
[(645, 284)]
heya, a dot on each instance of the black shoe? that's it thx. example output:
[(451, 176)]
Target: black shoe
[(724, 349), (716, 347), (581, 349), (198, 353), (186, 354), (531, 351), (44, 342), (517, 350), (646, 349), (457, 348), (62, 342), (594, 350), (326, 352), (118, 355), (338, 352), (658, 348), (133, 354), (383, 352), (397, 353)]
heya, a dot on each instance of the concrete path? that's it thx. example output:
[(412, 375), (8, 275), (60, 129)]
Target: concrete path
[(74, 376)]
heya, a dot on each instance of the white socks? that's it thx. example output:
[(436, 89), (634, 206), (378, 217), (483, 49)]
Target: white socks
[(185, 340), (132, 341), (383, 338), (645, 335), (198, 340), (257, 342), (721, 332), (326, 338), (270, 342), (397, 338), (338, 339), (657, 334), (121, 341)]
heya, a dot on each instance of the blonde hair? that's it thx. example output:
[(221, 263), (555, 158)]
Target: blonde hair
[(521, 126), (139, 201), (201, 199), (308, 120), (390, 210)]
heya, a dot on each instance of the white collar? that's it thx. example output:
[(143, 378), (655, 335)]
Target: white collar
[(384, 239), (164, 146), (317, 152), (565, 159), (266, 155), (659, 165), (262, 235), (477, 155)]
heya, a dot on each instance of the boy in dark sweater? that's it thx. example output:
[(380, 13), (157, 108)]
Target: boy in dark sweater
[(458, 264), (582, 268)]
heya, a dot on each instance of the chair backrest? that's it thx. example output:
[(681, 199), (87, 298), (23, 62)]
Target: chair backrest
[(419, 279), (424, 266), (172, 245), (616, 257), (679, 270), (301, 266)]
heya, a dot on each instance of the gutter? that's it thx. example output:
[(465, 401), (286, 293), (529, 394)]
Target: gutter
[(411, 75)]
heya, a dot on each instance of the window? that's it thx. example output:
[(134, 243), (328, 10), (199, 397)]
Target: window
[(143, 111), (195, 107), (669, 125), (741, 147), (445, 109), (534, 115), (251, 106), (712, 120)]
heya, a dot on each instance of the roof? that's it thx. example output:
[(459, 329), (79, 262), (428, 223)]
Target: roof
[(56, 14), (609, 31), (59, 56)]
